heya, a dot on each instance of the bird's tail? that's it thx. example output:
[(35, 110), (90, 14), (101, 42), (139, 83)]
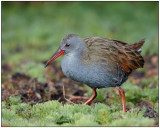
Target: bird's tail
[(137, 46)]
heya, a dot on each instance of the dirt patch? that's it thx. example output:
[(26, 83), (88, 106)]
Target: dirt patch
[(150, 112), (32, 91)]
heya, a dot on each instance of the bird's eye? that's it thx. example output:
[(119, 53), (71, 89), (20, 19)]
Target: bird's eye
[(67, 45)]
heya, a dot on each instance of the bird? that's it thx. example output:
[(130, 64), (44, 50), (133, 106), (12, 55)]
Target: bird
[(98, 62)]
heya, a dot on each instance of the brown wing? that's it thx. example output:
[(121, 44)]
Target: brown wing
[(126, 55), (129, 59)]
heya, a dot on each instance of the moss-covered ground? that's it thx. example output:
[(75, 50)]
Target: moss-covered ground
[(33, 95)]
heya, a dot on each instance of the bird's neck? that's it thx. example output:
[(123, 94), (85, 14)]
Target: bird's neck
[(78, 52)]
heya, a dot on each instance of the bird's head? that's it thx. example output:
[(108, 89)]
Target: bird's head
[(69, 44)]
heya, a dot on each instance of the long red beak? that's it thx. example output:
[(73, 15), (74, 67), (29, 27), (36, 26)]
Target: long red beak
[(58, 53)]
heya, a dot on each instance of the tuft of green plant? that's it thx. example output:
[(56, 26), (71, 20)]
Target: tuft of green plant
[(150, 94), (100, 95), (63, 117), (156, 107), (49, 107), (22, 110), (132, 121), (86, 120), (132, 93), (8, 114), (132, 118), (103, 116), (150, 81), (15, 100), (3, 105)]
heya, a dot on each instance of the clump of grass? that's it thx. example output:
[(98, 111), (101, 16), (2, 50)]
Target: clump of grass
[(53, 113), (14, 100), (135, 93)]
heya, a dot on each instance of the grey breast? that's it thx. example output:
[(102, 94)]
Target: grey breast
[(95, 76)]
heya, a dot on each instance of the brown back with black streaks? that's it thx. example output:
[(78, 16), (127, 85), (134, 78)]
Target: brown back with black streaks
[(103, 49)]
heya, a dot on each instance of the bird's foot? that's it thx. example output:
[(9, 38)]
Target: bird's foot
[(73, 98), (94, 94), (78, 98)]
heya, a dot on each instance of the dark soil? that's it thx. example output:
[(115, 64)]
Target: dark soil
[(32, 91), (150, 112)]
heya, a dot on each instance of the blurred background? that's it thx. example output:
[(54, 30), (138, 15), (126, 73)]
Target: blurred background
[(32, 32)]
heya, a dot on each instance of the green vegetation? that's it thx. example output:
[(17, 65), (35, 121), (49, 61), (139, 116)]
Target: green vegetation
[(53, 113)]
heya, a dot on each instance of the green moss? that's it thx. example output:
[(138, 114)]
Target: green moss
[(132, 118), (150, 94), (132, 93), (103, 116), (150, 81), (86, 120), (53, 113), (132, 121), (156, 107), (14, 100), (22, 110), (49, 107), (3, 105), (8, 114)]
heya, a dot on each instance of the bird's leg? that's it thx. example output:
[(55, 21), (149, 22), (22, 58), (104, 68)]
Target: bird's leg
[(122, 94), (94, 94)]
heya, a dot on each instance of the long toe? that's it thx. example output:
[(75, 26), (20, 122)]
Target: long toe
[(78, 98)]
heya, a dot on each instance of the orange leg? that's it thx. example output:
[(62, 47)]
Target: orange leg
[(121, 92), (94, 94)]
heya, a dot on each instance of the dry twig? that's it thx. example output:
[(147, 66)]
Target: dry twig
[(65, 97)]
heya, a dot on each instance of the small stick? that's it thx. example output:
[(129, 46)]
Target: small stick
[(65, 97)]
